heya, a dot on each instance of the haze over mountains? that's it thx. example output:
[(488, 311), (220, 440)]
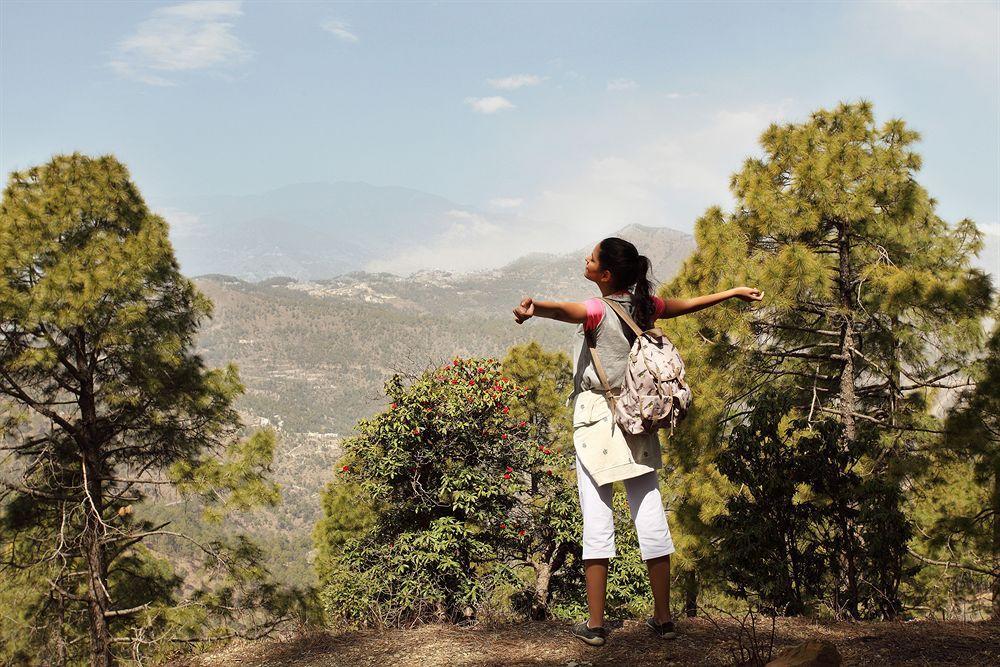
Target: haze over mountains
[(306, 231), (316, 231)]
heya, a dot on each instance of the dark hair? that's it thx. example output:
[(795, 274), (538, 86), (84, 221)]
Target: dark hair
[(629, 268)]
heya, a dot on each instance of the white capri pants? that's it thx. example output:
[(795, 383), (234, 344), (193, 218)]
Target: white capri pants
[(645, 505)]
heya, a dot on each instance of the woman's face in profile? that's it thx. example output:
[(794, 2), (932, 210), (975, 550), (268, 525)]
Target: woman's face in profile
[(592, 268)]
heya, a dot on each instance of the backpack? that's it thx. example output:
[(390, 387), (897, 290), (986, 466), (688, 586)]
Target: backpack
[(654, 392)]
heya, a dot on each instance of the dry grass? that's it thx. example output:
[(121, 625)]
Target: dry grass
[(549, 643)]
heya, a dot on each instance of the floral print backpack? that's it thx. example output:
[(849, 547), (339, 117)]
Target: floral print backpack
[(654, 393)]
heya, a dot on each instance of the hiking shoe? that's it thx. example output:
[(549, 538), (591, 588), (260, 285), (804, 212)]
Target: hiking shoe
[(593, 636), (662, 630)]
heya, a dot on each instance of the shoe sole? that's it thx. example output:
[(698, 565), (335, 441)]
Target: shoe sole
[(592, 641), (666, 635)]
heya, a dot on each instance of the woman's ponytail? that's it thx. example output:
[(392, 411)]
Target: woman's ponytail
[(645, 308), (629, 268)]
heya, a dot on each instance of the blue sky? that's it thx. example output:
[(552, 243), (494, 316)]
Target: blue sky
[(537, 119)]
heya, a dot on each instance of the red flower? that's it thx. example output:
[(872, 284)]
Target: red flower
[(509, 469), (345, 468), (522, 424), (392, 407), (454, 380), (481, 369), (503, 437), (548, 472), (503, 379), (455, 362), (541, 448), (506, 475), (506, 409), (503, 525), (472, 382), (416, 431), (520, 532), (497, 387), (429, 409)]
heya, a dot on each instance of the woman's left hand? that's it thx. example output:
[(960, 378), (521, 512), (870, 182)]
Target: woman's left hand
[(747, 293)]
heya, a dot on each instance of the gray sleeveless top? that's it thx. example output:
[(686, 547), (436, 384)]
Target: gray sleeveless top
[(612, 345)]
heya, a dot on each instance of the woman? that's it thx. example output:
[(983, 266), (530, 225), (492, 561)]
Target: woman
[(615, 265)]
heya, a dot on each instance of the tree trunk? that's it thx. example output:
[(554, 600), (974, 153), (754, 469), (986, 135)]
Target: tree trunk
[(544, 572), (543, 576), (848, 399), (690, 584), (98, 602), (92, 471), (61, 653), (996, 538), (848, 403)]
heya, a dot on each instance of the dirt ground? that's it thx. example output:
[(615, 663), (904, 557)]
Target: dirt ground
[(549, 643)]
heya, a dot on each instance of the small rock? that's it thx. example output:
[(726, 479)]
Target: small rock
[(813, 653)]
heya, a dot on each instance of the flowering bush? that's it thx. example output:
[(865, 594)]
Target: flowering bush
[(470, 491)]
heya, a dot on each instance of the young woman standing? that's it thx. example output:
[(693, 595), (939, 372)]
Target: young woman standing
[(615, 266)]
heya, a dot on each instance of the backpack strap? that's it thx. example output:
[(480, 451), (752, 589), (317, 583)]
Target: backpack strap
[(622, 313), (599, 367)]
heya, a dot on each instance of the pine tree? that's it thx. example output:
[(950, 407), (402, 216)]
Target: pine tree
[(872, 303), (102, 399)]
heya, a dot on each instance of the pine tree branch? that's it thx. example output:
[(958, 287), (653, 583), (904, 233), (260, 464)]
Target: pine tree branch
[(35, 493), (882, 422), (136, 481), (822, 332), (110, 613), (948, 564), (14, 390)]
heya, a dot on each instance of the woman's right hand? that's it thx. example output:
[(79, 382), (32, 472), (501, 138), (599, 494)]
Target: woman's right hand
[(525, 311)]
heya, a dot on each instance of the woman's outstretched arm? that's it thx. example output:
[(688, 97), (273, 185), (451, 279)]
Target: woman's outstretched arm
[(564, 311), (676, 307)]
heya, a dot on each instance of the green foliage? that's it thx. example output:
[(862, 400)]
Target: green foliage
[(805, 506), (102, 398)]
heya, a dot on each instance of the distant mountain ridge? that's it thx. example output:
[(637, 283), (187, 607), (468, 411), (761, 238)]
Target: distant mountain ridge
[(544, 275)]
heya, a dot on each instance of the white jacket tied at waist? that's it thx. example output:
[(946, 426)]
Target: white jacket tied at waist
[(608, 453)]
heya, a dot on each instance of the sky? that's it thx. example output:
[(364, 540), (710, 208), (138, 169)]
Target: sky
[(539, 120)]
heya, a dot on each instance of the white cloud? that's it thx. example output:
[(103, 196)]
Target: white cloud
[(470, 243), (183, 225), (622, 84), (680, 96), (341, 29), (188, 37), (516, 81), (489, 104), (506, 202)]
